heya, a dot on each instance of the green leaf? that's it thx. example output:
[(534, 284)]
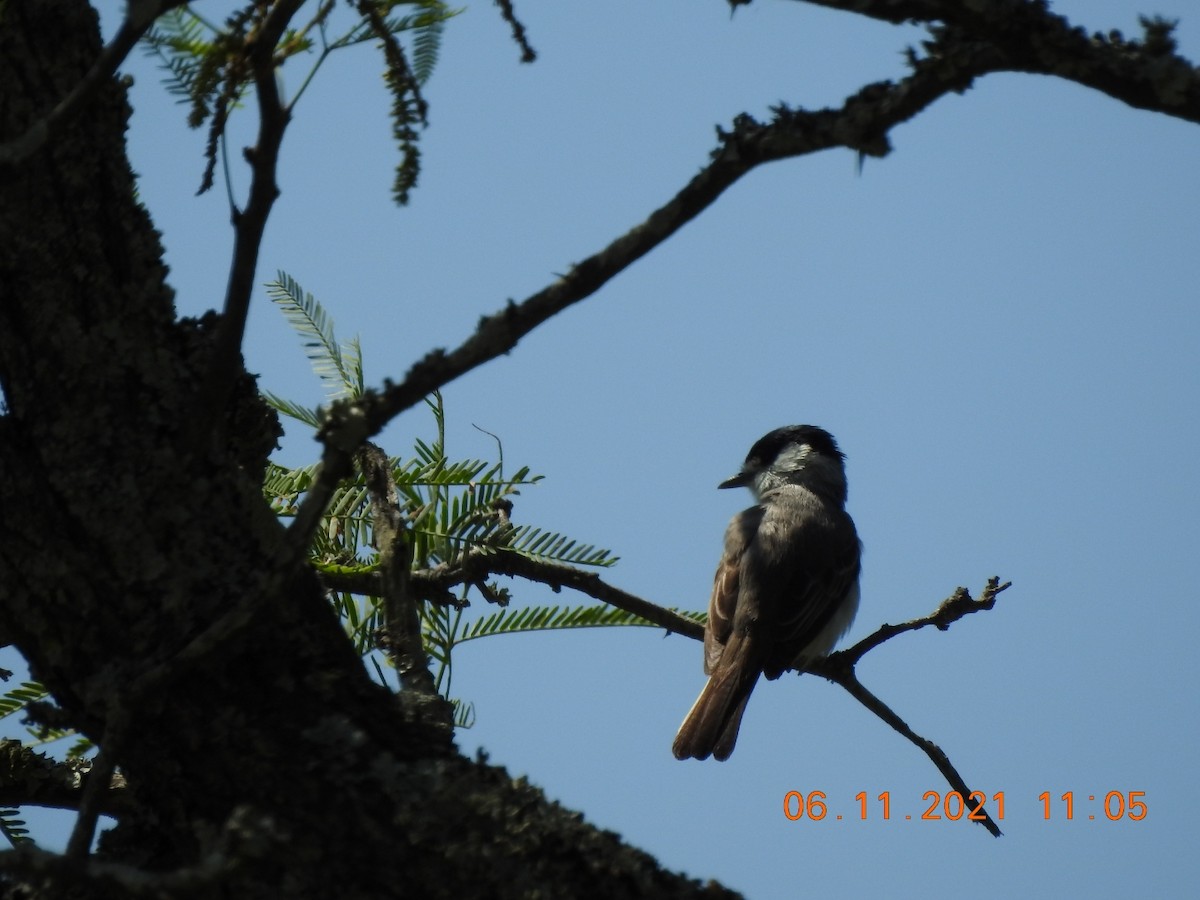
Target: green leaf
[(17, 699), (14, 828), (464, 713), (452, 507), (535, 543), (339, 367), (282, 487), (80, 748), (309, 416), (178, 40), (557, 618)]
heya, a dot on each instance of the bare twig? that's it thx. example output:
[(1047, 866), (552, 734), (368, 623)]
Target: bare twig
[(1146, 75), (518, 30), (334, 466), (953, 608), (849, 680), (839, 668)]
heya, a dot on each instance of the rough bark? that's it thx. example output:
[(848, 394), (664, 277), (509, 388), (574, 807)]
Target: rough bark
[(149, 587)]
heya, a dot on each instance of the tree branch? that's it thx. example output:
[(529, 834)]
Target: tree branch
[(249, 225), (953, 608), (860, 124), (935, 753), (139, 16), (95, 787), (839, 668), (434, 585), (1027, 37), (518, 30), (1146, 75), (245, 836), (28, 778)]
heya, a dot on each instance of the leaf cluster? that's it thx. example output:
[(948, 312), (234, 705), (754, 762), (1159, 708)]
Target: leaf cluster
[(208, 66), (17, 701), (454, 510)]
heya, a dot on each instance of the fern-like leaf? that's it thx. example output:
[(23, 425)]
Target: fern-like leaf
[(338, 367), (178, 41), (283, 486), (13, 827), (309, 416), (427, 45), (535, 543), (556, 618), (80, 748), (464, 713), (17, 699)]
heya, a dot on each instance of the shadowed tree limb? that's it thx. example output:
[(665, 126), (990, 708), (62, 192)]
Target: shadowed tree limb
[(29, 778), (1146, 75), (435, 585), (1024, 36), (518, 30), (139, 16)]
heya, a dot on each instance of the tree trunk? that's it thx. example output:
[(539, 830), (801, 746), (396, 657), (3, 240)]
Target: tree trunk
[(147, 583)]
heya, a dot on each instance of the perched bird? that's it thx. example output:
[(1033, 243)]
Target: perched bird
[(786, 588)]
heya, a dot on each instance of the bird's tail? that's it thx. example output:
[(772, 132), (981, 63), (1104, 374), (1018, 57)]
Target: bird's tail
[(711, 725)]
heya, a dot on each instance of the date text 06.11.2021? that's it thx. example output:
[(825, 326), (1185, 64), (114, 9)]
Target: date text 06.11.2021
[(1112, 805)]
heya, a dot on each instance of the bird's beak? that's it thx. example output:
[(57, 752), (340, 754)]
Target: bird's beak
[(741, 479)]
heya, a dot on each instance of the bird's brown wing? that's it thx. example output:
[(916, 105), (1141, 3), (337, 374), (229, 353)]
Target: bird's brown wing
[(722, 605), (732, 658)]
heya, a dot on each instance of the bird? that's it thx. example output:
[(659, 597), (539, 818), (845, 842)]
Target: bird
[(787, 586)]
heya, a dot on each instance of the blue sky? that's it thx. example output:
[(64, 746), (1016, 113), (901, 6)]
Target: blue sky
[(999, 322)]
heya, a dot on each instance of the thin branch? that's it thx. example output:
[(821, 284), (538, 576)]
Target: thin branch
[(839, 668), (334, 466), (249, 225), (435, 585), (518, 30), (935, 753), (318, 21), (139, 16), (953, 608)]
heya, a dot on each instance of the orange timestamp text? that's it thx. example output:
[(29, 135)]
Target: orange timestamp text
[(952, 805)]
